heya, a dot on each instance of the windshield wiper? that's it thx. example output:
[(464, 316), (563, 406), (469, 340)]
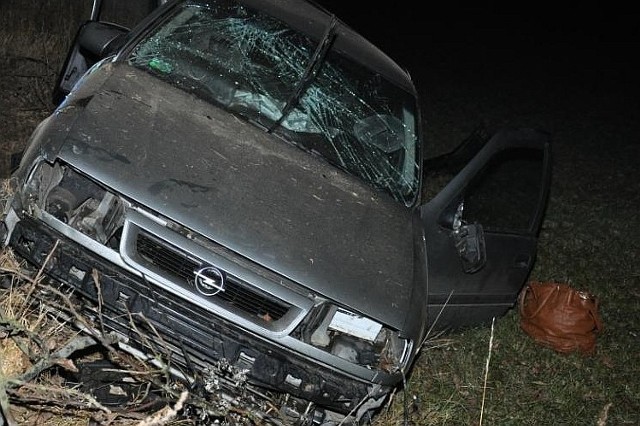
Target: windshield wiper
[(310, 71)]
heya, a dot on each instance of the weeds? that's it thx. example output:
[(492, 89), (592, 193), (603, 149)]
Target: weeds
[(42, 347), (36, 339)]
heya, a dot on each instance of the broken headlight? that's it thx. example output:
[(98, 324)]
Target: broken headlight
[(75, 200), (354, 338)]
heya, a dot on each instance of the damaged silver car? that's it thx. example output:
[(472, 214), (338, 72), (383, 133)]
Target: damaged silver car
[(247, 178)]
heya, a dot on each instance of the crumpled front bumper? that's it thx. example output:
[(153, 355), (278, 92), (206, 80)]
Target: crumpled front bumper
[(189, 336)]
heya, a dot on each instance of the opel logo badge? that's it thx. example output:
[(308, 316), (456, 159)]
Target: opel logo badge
[(209, 281)]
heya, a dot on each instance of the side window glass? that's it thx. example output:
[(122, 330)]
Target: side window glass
[(505, 196)]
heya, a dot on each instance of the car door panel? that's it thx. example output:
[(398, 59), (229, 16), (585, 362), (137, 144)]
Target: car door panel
[(503, 190)]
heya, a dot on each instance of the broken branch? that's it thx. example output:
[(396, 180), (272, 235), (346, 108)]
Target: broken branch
[(78, 343), (166, 414)]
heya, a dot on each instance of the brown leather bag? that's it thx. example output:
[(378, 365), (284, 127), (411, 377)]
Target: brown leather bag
[(560, 317)]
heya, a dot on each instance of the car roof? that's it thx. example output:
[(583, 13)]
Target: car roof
[(312, 19)]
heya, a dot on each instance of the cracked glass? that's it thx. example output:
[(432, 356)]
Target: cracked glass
[(258, 67)]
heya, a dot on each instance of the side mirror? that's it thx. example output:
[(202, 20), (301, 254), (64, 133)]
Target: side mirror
[(94, 41), (100, 39), (469, 242)]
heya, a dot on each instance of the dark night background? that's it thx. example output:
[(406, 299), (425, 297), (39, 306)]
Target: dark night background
[(596, 35), (513, 63)]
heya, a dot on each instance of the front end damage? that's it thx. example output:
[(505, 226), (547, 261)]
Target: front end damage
[(217, 320)]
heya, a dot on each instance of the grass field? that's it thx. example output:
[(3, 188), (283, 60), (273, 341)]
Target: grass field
[(584, 95)]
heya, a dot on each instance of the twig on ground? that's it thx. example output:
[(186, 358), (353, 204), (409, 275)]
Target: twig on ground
[(39, 109), (30, 59), (26, 75), (435, 321), (78, 398), (486, 371), (604, 415), (166, 414), (35, 280), (5, 409), (12, 328), (96, 281), (105, 340), (163, 359), (357, 407), (76, 344)]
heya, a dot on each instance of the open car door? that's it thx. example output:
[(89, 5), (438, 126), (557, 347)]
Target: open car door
[(110, 20), (482, 229)]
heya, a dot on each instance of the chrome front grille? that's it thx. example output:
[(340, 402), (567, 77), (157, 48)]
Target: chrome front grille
[(166, 258), (180, 267)]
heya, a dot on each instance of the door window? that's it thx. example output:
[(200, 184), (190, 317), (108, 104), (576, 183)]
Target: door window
[(505, 196)]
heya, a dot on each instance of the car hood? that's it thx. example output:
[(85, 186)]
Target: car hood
[(246, 189)]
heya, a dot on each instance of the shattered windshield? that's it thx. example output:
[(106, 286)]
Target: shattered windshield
[(258, 67)]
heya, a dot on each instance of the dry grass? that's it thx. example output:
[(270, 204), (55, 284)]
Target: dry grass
[(33, 39), (27, 333), (40, 345)]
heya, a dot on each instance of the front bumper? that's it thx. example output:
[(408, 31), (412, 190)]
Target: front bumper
[(190, 337)]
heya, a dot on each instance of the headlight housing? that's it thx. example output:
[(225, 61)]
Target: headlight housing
[(355, 338), (75, 200)]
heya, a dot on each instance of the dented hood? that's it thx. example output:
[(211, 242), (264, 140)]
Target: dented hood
[(246, 189)]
